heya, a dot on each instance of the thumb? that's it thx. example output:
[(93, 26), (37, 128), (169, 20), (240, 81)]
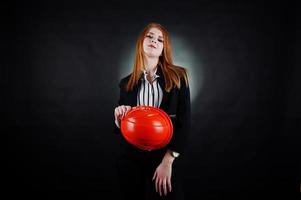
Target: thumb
[(155, 174)]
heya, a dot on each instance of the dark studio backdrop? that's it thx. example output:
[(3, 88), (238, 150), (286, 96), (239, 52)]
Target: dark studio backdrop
[(61, 86)]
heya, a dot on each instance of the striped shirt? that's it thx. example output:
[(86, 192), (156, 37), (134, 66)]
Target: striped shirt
[(149, 93)]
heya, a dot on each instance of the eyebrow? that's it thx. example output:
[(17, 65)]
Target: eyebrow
[(153, 34)]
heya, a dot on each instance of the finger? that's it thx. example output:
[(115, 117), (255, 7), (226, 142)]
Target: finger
[(126, 111), (123, 111), (156, 184), (164, 187), (117, 113), (169, 184), (160, 187), (128, 108)]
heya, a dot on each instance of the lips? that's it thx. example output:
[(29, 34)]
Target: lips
[(152, 46)]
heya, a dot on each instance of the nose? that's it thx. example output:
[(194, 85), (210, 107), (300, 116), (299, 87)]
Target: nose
[(153, 40)]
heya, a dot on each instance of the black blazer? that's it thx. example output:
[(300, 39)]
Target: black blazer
[(175, 103)]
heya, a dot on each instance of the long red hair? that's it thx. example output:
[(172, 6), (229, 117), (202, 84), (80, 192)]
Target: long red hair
[(172, 73)]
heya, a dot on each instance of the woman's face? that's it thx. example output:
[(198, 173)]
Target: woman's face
[(153, 42)]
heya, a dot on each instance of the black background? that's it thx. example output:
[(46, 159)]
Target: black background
[(62, 67)]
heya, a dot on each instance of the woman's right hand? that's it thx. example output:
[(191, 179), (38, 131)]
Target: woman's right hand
[(120, 112)]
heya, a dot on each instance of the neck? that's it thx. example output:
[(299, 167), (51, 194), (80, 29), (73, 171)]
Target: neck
[(151, 64)]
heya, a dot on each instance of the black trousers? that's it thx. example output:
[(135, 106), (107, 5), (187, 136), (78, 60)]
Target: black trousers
[(135, 170)]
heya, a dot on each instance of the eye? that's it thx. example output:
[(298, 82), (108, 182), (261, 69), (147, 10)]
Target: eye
[(150, 36)]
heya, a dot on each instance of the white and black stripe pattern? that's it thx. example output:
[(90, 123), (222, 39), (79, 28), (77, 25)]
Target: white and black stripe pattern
[(149, 94)]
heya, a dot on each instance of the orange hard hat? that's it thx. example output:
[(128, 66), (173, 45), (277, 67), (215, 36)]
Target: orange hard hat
[(147, 128)]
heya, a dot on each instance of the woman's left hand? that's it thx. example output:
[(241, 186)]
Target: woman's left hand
[(162, 176)]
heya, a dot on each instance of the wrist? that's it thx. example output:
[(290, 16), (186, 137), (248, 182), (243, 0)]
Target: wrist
[(168, 159), (173, 153)]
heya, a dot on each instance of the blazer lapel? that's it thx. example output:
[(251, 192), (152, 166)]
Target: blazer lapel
[(161, 82), (135, 92)]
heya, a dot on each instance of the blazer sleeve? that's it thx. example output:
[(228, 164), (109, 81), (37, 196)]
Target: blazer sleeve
[(182, 125), (121, 100)]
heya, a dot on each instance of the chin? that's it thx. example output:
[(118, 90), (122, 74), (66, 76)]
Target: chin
[(152, 55)]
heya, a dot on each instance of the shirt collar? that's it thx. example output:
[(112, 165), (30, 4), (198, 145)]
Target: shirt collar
[(155, 74)]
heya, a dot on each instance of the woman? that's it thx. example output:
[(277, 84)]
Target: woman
[(155, 81)]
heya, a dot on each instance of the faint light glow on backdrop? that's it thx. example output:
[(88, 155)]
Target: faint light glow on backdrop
[(183, 55)]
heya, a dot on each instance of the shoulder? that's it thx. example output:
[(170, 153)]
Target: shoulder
[(184, 71), (123, 81), (181, 71), (183, 74)]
